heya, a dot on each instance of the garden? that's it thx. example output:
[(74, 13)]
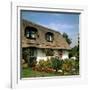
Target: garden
[(50, 67)]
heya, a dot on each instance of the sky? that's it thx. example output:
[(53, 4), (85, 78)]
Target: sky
[(59, 21)]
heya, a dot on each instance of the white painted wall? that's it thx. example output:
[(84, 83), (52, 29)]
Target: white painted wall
[(65, 55), (42, 56)]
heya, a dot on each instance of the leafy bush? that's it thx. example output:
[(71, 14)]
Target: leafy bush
[(56, 63), (45, 66), (77, 66), (43, 63), (70, 66), (28, 56), (32, 61), (48, 63), (25, 54), (67, 66), (25, 65)]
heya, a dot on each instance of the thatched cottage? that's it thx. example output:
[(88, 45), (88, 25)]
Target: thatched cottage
[(43, 42)]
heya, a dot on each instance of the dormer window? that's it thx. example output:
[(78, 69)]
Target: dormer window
[(30, 32), (49, 36)]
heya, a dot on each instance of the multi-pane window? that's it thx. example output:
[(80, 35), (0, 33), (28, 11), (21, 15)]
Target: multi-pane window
[(30, 32), (49, 52), (49, 36)]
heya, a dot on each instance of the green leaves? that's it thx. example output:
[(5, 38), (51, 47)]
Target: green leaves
[(67, 38), (56, 64)]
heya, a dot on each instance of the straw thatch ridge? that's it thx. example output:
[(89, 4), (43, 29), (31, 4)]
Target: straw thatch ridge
[(58, 43)]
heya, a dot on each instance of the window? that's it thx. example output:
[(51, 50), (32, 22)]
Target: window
[(49, 36), (30, 32), (49, 52), (61, 53)]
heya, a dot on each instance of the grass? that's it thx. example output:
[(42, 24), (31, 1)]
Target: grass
[(28, 72)]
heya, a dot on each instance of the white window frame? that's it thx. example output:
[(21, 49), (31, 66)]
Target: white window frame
[(16, 81)]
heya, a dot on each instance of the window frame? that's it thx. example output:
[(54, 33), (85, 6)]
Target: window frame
[(16, 7), (48, 35), (31, 31)]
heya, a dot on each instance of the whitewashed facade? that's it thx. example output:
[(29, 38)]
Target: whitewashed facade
[(42, 56)]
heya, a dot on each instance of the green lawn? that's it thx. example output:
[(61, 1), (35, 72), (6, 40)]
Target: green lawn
[(31, 73)]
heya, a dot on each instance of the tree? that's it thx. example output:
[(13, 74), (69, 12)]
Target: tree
[(75, 51), (78, 48), (28, 56), (67, 38)]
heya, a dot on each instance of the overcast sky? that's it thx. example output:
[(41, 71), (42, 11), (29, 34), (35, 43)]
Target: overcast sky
[(62, 22)]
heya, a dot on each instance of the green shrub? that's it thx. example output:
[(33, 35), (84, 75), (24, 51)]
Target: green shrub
[(41, 63), (28, 56), (56, 63), (32, 61), (25, 54), (69, 66), (77, 66), (48, 63), (25, 65), (45, 63), (45, 66)]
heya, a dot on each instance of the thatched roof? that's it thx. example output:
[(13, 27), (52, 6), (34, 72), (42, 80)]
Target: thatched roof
[(58, 43)]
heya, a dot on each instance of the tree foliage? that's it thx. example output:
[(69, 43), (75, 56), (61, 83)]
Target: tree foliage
[(67, 38), (28, 56), (75, 51)]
